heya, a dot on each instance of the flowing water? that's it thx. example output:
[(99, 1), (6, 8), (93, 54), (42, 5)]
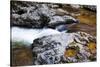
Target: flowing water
[(44, 17), (28, 35)]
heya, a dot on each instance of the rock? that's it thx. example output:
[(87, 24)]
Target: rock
[(75, 6), (65, 27), (61, 20), (61, 12), (33, 17), (63, 48), (49, 49), (71, 8), (54, 6), (37, 15), (90, 7)]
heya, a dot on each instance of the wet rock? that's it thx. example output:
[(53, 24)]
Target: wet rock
[(61, 20), (63, 48)]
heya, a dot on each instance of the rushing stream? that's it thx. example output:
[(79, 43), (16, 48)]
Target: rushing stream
[(28, 35)]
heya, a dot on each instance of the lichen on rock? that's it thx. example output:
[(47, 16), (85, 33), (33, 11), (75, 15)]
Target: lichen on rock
[(71, 46)]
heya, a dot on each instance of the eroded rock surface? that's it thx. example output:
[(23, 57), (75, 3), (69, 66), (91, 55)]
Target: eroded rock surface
[(37, 15), (64, 48)]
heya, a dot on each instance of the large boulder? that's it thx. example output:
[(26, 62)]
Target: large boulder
[(37, 15), (64, 48)]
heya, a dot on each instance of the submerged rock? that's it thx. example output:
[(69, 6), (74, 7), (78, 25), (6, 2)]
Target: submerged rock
[(21, 56), (63, 48)]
